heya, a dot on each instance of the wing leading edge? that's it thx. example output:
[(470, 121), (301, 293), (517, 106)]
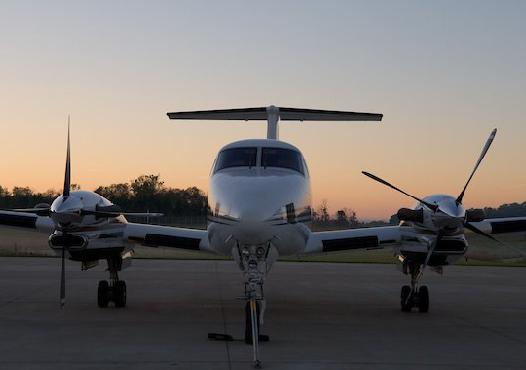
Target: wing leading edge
[(168, 237), (27, 221)]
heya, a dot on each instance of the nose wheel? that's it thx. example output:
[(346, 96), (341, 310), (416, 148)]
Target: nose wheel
[(418, 298), (115, 293)]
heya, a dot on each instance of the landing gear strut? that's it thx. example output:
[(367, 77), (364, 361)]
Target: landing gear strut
[(414, 295), (253, 262), (113, 291)]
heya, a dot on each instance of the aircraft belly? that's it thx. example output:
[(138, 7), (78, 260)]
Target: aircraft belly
[(289, 239), (449, 250)]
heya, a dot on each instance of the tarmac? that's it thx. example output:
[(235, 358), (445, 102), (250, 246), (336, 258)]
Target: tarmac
[(318, 316)]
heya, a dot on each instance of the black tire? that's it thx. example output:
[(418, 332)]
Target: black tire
[(423, 299), (102, 294), (119, 293), (405, 301), (248, 322)]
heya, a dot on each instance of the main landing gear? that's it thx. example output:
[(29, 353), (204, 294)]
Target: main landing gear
[(113, 291), (414, 295)]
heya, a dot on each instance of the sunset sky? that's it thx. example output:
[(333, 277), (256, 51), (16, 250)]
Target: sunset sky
[(443, 73)]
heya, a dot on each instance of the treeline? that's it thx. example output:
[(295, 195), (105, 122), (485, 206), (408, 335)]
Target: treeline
[(145, 193), (506, 210), (148, 193), (345, 218)]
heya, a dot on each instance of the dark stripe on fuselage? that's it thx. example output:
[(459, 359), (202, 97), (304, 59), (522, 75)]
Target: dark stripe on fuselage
[(508, 226), (160, 240), (112, 235), (18, 221), (359, 242)]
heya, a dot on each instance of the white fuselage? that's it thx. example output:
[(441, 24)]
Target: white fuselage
[(264, 202)]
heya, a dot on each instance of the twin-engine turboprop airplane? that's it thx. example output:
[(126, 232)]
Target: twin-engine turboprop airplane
[(259, 209)]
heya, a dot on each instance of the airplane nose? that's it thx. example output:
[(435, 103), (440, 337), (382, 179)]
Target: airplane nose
[(253, 229)]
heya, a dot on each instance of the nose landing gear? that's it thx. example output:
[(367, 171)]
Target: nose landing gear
[(253, 262), (254, 265), (113, 291), (414, 296)]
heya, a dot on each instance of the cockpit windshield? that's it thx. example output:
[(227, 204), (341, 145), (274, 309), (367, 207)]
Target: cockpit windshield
[(284, 158), (236, 157)]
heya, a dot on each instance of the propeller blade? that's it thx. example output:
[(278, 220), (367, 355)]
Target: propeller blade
[(67, 174), (434, 207), (63, 280), (36, 211), (103, 214), (431, 250), (481, 157), (476, 230), (142, 214)]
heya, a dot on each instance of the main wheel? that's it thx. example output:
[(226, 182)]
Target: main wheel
[(102, 294), (423, 299), (248, 322), (119, 293), (405, 300)]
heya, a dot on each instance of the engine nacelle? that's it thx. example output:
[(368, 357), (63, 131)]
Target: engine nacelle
[(412, 215)]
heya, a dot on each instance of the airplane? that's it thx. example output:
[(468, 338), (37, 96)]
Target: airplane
[(259, 209)]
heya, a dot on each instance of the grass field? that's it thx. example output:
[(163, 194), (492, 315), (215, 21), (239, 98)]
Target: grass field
[(16, 242)]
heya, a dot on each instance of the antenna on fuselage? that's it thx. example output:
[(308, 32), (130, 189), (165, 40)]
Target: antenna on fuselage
[(273, 115)]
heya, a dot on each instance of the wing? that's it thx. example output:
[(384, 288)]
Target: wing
[(502, 225), (364, 238), (168, 237), (27, 221), (511, 244)]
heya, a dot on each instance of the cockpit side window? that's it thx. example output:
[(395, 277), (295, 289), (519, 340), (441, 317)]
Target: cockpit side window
[(283, 158), (236, 157)]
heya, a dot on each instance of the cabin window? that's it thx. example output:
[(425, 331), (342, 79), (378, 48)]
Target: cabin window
[(236, 157), (282, 158)]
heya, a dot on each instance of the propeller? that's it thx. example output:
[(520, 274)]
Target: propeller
[(431, 206), (459, 199), (481, 157), (65, 193), (109, 214)]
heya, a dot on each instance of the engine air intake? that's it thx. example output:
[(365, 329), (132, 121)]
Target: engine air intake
[(412, 215), (67, 241)]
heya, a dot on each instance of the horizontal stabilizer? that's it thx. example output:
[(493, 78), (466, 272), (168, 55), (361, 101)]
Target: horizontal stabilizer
[(285, 114)]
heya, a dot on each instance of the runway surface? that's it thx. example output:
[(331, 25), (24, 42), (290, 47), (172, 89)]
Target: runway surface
[(319, 316)]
